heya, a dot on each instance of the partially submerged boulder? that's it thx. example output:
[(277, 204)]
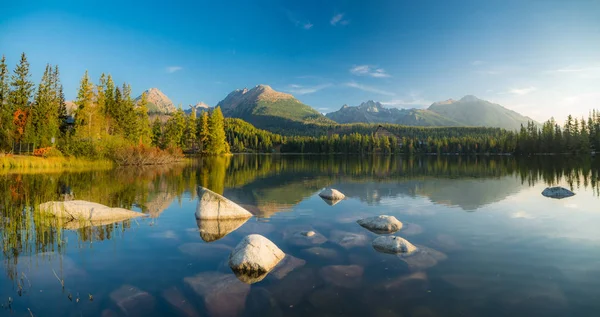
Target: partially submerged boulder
[(393, 245), (557, 192), (254, 257), (213, 230), (86, 211), (332, 194), (381, 224), (212, 206)]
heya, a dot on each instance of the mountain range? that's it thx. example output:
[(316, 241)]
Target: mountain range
[(269, 109), (468, 111)]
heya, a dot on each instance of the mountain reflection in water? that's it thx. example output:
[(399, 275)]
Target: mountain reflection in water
[(116, 262)]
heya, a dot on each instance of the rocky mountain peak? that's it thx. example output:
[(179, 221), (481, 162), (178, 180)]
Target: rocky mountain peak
[(158, 102)]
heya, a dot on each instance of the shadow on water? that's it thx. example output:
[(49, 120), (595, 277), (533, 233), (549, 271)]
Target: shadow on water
[(267, 186)]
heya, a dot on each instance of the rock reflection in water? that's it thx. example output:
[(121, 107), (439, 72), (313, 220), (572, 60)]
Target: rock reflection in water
[(215, 229)]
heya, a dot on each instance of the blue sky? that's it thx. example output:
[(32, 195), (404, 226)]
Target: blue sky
[(540, 58)]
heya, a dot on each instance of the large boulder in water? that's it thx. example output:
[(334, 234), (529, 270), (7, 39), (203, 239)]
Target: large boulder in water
[(254, 257), (86, 211), (557, 192), (332, 194), (381, 224), (212, 206), (394, 245)]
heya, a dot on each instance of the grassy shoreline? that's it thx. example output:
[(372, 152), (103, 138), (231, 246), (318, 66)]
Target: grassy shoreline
[(21, 162)]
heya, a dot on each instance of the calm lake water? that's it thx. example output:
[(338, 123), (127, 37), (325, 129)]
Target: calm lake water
[(495, 246)]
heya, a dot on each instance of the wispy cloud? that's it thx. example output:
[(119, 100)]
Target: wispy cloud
[(477, 63), (362, 87), (586, 72), (522, 91), (573, 69), (413, 100), (368, 70), (305, 90), (304, 24), (172, 69), (338, 19)]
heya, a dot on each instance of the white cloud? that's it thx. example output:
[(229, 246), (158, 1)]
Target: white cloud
[(477, 63), (304, 24), (522, 91), (339, 19), (413, 100), (304, 90), (172, 69), (368, 70), (368, 88)]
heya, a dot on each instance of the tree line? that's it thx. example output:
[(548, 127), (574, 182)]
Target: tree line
[(105, 118)]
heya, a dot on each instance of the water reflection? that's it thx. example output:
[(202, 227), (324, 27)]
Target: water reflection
[(280, 191)]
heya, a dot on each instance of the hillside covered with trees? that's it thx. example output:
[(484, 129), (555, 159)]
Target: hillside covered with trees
[(109, 123)]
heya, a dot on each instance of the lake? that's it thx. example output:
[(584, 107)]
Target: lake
[(494, 245)]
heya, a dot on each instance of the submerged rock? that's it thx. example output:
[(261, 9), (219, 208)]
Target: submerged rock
[(332, 194), (174, 297), (224, 295), (87, 211), (381, 224), (423, 258), (254, 257), (393, 245), (328, 254), (212, 206), (287, 265), (557, 192), (293, 288), (303, 237), (349, 240), (262, 303), (348, 276), (215, 229), (132, 301)]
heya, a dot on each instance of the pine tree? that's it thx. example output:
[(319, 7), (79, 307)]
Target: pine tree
[(217, 144), (88, 121), (21, 86), (63, 115), (191, 131), (157, 133), (44, 111), (204, 133), (5, 112), (142, 122), (175, 130)]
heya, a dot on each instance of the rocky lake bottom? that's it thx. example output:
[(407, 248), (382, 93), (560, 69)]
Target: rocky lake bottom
[(489, 243)]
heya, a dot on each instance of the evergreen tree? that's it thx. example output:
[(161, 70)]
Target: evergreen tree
[(204, 133), (88, 118), (217, 143), (175, 130), (190, 132), (5, 112), (142, 122), (157, 133), (21, 86), (45, 111)]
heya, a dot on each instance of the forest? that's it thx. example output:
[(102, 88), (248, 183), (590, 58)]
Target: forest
[(108, 124)]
